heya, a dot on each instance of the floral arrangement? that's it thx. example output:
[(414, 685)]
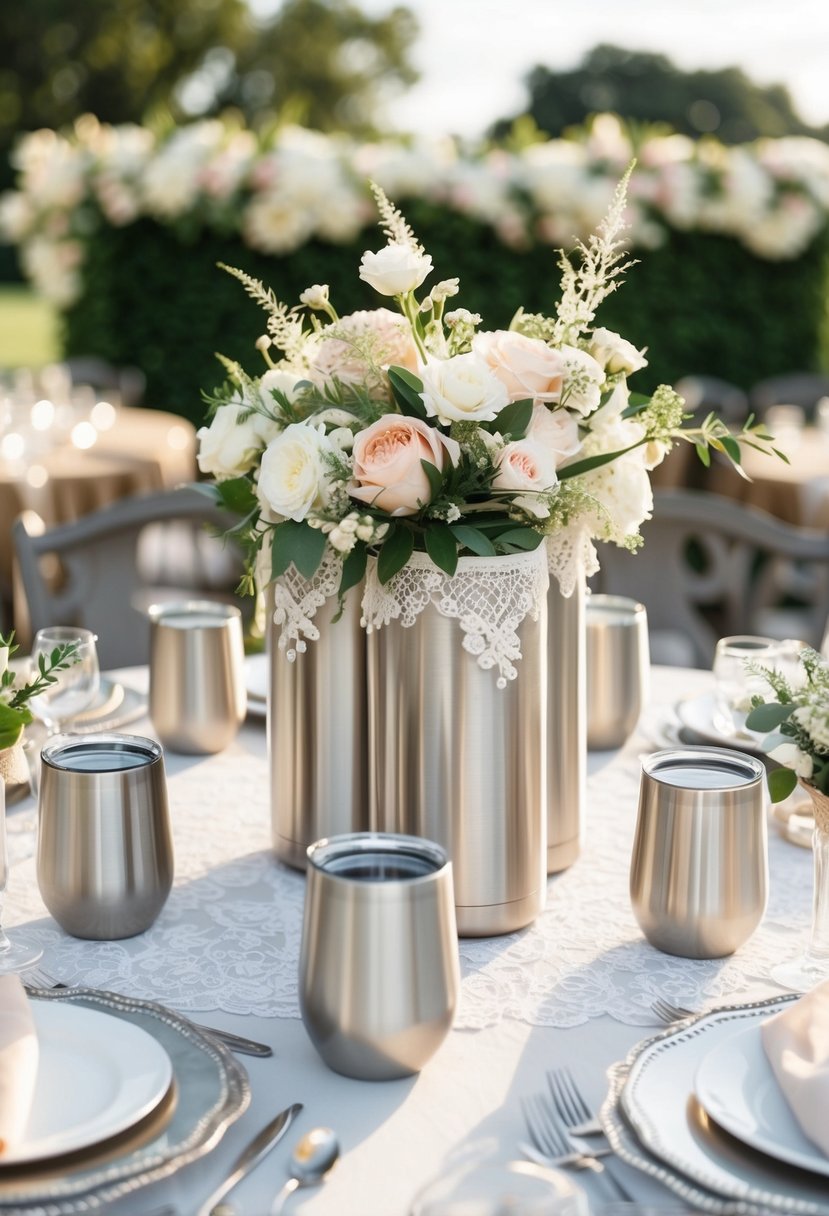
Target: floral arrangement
[(14, 711), (798, 718), (772, 195), (419, 430)]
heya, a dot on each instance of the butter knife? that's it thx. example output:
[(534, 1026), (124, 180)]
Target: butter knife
[(250, 1157)]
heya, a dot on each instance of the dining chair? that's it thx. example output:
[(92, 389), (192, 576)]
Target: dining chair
[(793, 388), (95, 571), (711, 567)]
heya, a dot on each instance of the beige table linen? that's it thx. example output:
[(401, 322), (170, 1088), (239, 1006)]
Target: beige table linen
[(796, 1041), (784, 490)]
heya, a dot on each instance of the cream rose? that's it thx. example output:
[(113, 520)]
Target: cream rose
[(387, 469), (791, 756), (395, 269), (615, 353), (526, 465), (526, 366), (554, 430), (462, 389), (293, 475), (229, 447), (276, 378)]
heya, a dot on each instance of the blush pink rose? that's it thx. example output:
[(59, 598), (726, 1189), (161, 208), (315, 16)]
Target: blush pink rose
[(387, 469), (556, 431), (527, 367), (526, 465)]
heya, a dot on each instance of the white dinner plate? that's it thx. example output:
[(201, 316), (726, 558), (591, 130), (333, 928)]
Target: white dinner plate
[(256, 683), (697, 714), (97, 1076), (735, 1084)]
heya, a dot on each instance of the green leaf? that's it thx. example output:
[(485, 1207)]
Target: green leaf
[(12, 722), (636, 403), (396, 551), (513, 420), (520, 538), (354, 568), (436, 479), (592, 462), (407, 389), (768, 717), (782, 455), (781, 783), (473, 540), (704, 454), (442, 547), (237, 495), (298, 543), (732, 448)]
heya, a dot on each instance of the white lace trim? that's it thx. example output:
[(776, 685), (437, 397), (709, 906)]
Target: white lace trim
[(297, 600), (489, 597), (571, 554)]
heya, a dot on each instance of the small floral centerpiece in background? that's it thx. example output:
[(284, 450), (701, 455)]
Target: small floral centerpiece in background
[(14, 710), (420, 430), (796, 721)]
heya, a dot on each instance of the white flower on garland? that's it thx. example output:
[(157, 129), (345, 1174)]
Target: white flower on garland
[(231, 444), (293, 476), (395, 269), (614, 353), (462, 389)]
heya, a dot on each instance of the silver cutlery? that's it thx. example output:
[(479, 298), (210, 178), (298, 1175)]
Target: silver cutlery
[(250, 1157), (668, 1013), (577, 1119), (36, 977), (315, 1154), (553, 1145)]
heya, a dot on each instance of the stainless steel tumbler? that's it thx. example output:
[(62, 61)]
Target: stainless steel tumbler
[(379, 970), (699, 869), (618, 668), (455, 759), (566, 725), (197, 682), (105, 851), (317, 731)]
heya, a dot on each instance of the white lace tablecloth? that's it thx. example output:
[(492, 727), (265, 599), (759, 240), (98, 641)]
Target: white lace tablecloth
[(228, 937)]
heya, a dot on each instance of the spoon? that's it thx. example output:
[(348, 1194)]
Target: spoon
[(312, 1158)]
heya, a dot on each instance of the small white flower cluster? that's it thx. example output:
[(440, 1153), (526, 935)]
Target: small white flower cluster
[(344, 535), (772, 195)]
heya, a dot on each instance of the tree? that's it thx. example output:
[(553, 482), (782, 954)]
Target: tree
[(647, 87)]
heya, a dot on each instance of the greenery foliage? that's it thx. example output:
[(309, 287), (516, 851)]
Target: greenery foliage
[(153, 297)]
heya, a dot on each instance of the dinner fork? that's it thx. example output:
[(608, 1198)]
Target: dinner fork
[(577, 1118), (36, 977), (666, 1012), (555, 1146)]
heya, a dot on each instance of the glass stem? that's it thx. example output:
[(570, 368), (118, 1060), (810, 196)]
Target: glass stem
[(819, 940)]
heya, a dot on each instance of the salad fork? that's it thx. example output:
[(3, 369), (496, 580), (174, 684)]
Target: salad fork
[(36, 977), (666, 1012), (577, 1119)]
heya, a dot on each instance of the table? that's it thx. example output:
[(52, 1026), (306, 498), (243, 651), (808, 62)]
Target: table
[(797, 492), (138, 451), (573, 989)]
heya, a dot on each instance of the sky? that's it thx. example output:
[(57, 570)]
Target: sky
[(473, 54)]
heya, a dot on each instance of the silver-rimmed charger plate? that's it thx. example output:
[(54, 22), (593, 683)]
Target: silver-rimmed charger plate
[(655, 1124), (211, 1091)]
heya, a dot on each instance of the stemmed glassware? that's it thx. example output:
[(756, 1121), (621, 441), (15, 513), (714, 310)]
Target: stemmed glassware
[(75, 687), (16, 953)]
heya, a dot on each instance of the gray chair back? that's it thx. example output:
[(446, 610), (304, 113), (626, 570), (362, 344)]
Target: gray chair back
[(711, 567), (88, 572)]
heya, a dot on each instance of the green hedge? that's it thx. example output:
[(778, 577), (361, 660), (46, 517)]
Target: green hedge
[(153, 297)]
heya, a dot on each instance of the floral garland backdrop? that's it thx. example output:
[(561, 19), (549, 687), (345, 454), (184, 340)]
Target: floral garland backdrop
[(301, 185)]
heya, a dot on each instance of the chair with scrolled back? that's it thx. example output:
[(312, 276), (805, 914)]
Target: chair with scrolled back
[(711, 567), (95, 573)]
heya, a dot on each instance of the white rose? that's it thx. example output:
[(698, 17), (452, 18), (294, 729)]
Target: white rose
[(526, 465), (276, 378), (790, 755), (293, 474), (462, 389), (623, 488), (615, 353), (229, 447), (394, 270), (555, 430), (583, 380)]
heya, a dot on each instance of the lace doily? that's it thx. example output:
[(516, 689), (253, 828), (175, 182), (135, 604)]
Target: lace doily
[(489, 597), (297, 600), (229, 935), (571, 553)]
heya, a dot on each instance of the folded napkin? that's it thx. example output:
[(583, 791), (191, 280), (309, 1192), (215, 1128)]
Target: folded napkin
[(796, 1042), (18, 1061)]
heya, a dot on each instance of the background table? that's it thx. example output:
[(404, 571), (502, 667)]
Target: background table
[(575, 988), (797, 492)]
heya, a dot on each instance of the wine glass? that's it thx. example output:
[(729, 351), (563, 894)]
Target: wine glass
[(18, 952), (75, 687)]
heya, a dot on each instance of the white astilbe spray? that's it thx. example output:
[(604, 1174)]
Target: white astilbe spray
[(284, 324), (394, 225), (602, 265)]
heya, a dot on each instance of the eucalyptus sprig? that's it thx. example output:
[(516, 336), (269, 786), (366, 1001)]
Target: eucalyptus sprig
[(14, 711)]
